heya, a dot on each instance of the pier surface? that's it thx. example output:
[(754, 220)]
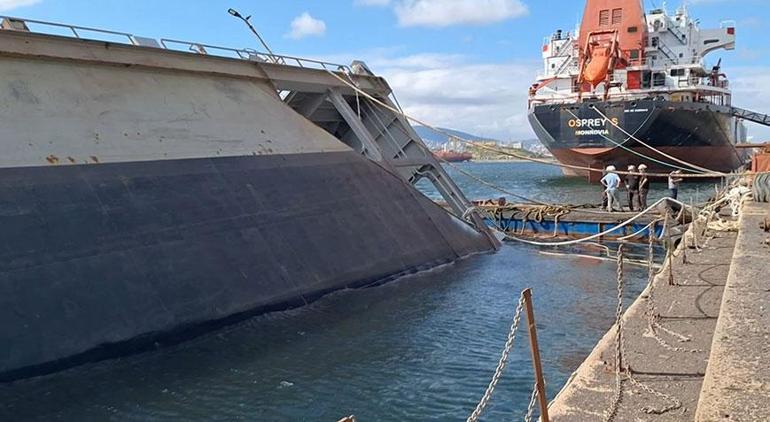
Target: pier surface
[(718, 373), (737, 384)]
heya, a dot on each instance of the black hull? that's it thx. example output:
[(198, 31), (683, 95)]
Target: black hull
[(698, 133), (102, 260)]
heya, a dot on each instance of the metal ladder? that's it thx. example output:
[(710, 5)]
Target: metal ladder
[(569, 61), (677, 33), (663, 48)]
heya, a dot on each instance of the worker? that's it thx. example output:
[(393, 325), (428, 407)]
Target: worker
[(674, 179), (644, 186), (611, 183), (632, 186)]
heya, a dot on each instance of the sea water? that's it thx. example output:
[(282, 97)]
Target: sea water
[(423, 347)]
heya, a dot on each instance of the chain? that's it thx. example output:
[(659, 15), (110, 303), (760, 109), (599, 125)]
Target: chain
[(613, 410), (531, 407), (674, 402), (500, 365), (620, 351), (653, 319)]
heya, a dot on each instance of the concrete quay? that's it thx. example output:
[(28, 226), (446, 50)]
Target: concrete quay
[(706, 359), (737, 383)]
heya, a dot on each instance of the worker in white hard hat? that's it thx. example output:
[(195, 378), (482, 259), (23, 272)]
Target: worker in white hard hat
[(674, 179), (611, 183), (632, 187), (644, 186)]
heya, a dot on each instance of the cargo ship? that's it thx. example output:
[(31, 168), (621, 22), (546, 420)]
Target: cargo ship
[(154, 189), (453, 156), (453, 151), (629, 87)]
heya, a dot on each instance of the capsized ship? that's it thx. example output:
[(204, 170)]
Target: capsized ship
[(626, 76), (154, 189)]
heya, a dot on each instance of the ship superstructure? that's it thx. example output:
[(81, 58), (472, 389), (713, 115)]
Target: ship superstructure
[(625, 76)]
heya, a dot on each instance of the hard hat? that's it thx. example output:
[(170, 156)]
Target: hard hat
[(611, 168), (632, 167), (642, 167)]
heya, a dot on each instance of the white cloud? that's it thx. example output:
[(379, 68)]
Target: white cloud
[(490, 99), (442, 13), (305, 25), (454, 91), (6, 5), (371, 2)]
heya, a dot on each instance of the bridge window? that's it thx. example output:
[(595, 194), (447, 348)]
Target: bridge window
[(632, 29), (617, 16), (604, 17), (677, 72), (659, 79)]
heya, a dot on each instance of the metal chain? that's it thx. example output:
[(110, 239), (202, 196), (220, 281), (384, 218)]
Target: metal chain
[(622, 366), (500, 365), (531, 407), (653, 319), (674, 402), (613, 409)]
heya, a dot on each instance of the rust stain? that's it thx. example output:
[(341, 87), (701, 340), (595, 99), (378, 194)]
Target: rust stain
[(94, 159), (52, 159), (71, 160)]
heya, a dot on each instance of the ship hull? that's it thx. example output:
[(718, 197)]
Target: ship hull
[(577, 135), (147, 196), (107, 259)]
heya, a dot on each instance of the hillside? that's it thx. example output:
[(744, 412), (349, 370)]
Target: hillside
[(434, 139)]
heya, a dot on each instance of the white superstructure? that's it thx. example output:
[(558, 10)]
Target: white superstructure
[(671, 64)]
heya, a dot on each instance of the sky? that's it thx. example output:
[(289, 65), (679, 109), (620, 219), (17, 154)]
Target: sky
[(462, 64)]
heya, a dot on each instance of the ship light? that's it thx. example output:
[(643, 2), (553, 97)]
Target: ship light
[(730, 31), (545, 47)]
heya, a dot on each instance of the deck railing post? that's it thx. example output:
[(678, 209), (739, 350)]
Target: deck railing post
[(536, 364)]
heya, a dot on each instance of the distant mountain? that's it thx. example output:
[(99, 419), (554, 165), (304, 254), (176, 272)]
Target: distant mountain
[(434, 139)]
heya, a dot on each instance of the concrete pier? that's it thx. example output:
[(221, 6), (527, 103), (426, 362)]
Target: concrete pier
[(737, 384), (716, 370)]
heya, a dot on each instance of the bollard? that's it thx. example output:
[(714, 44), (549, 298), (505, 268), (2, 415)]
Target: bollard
[(536, 364)]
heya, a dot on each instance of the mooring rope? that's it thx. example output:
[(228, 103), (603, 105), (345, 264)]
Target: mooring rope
[(671, 157), (621, 145), (709, 173), (597, 235)]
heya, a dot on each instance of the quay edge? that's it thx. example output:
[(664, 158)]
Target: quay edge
[(719, 373)]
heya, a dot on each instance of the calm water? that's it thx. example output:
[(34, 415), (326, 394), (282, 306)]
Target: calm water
[(420, 348)]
